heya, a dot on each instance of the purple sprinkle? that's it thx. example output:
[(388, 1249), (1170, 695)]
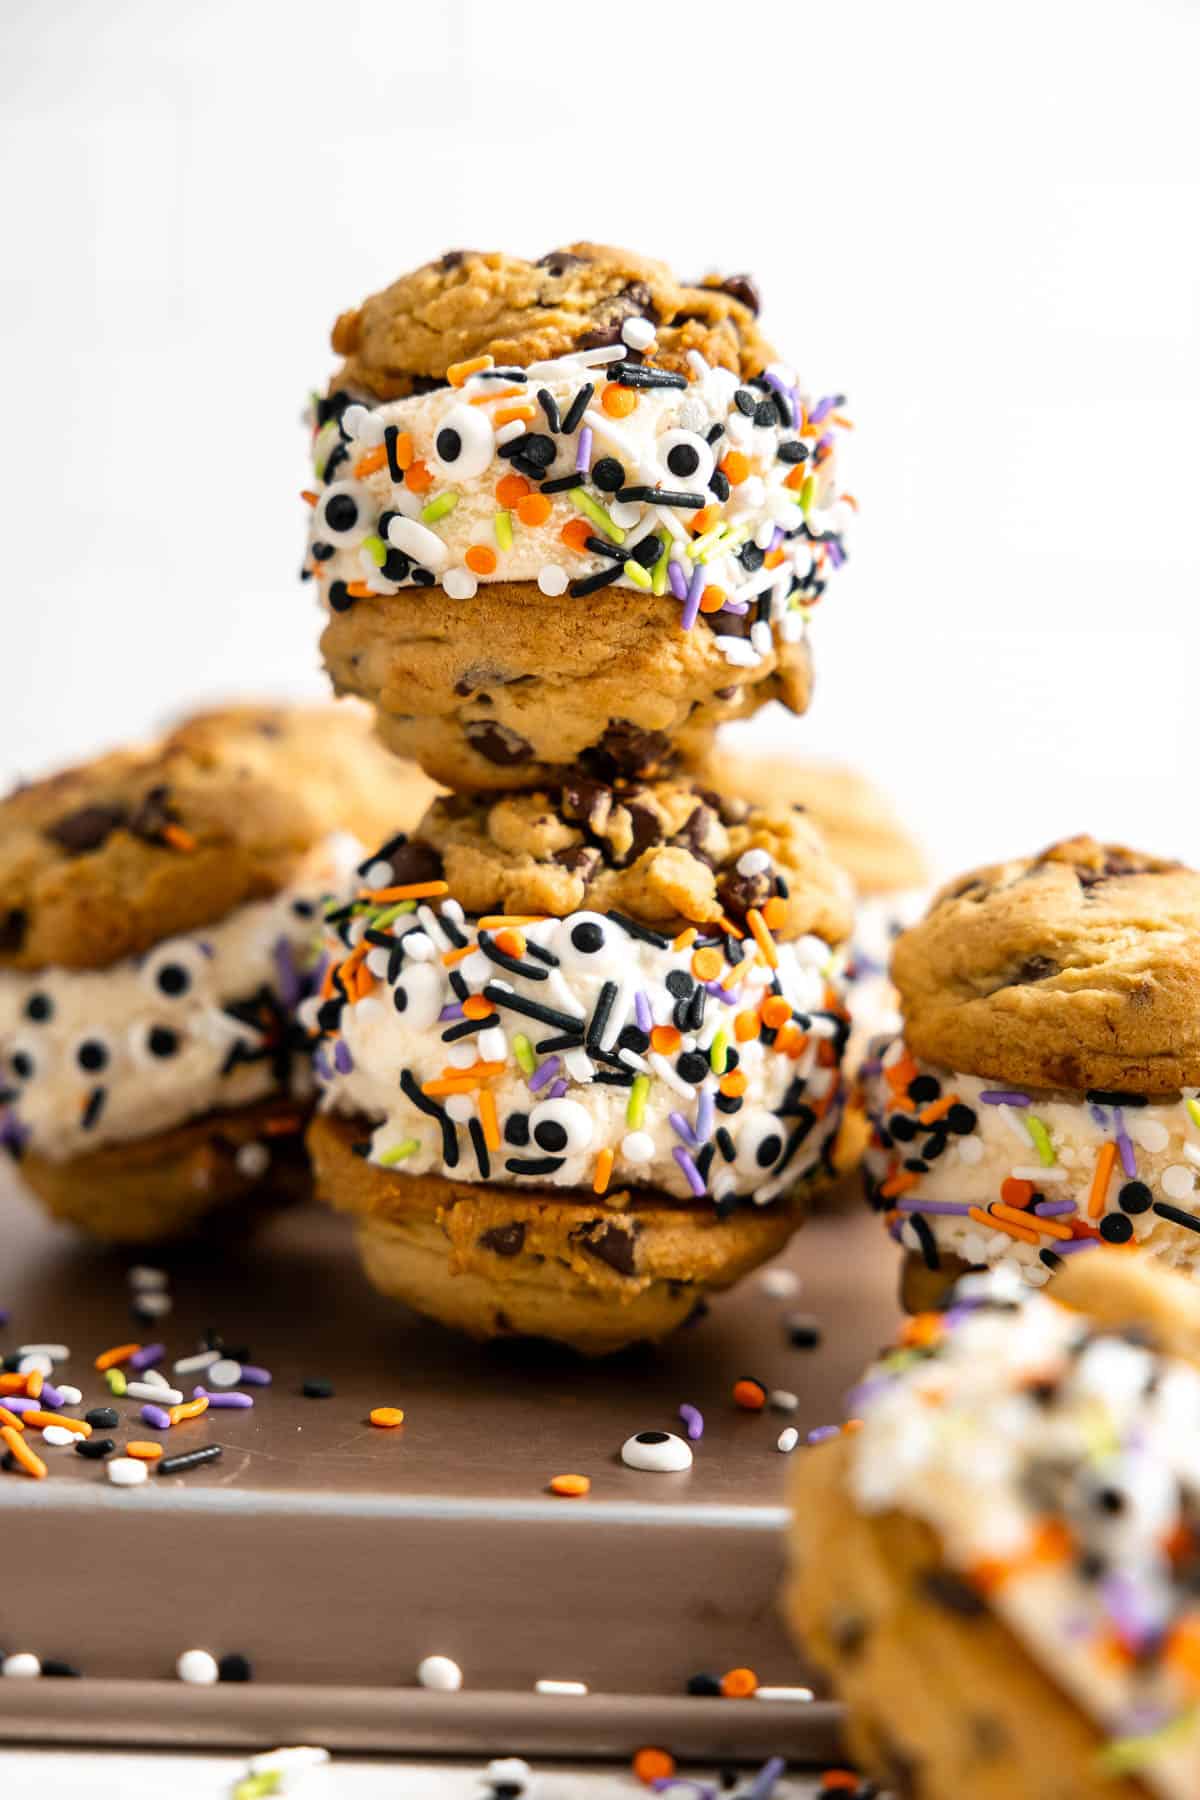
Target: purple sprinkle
[(51, 1397), (255, 1376), (558, 1090), (776, 539), (865, 1392), (691, 605), (343, 1062), (705, 1110), (583, 451), (822, 408), (1000, 1097), (1099, 1116), (154, 1415), (1062, 1248), (835, 553), (228, 1397), (949, 1207), (694, 1178), (677, 579), (723, 994), (765, 1782), (693, 1420), (286, 973), (1128, 1159), (822, 1433), (641, 1008), (451, 1012), (21, 1403), (683, 1129), (784, 393), (1048, 1209), (147, 1356), (548, 1070), (741, 607)]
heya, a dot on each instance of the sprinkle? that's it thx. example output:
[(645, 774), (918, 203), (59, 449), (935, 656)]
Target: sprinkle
[(547, 1073), (156, 1416), (28, 1459), (749, 1394), (785, 1443), (127, 1471), (110, 1358), (651, 1766), (386, 1417), (571, 1487), (398, 1152), (40, 1420), (596, 513), (583, 450), (188, 1459), (1128, 1159), (188, 1409), (1176, 1215), (603, 1172), (1000, 1097), (116, 1381), (739, 1684), (691, 605), (635, 1111), (566, 1690), (762, 937), (693, 1421), (523, 1051), (144, 1451), (1100, 1179), (1041, 1137), (229, 1400)]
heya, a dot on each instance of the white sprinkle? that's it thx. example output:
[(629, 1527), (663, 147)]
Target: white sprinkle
[(56, 1352), (153, 1305), (760, 637), (418, 541), (126, 1471), (638, 1147), (192, 1365), (363, 424), (552, 579), (293, 1760), (155, 1379), (378, 874), (579, 1065), (784, 1693), (592, 359), (460, 584), (638, 333), (22, 1665), (738, 652), (1192, 1153), (35, 1363), (753, 862), (1009, 1118), (197, 1667), (787, 1440), (461, 1056), (782, 1400), (508, 434), (58, 1436), (970, 1150), (697, 364), (143, 1276), (476, 968), (1151, 1134), (459, 1108), (158, 1396), (418, 946), (493, 1045), (71, 1396), (625, 513), (1041, 1177), (508, 1772), (252, 1160), (225, 1373), (564, 1689), (780, 1284), (439, 1672), (662, 1067), (379, 961), (1178, 1182)]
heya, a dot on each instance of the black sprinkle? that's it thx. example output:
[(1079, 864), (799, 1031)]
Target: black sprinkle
[(512, 963), (52, 1666), (578, 407), (391, 435), (591, 584), (234, 1668), (1113, 1097), (804, 1334), (663, 497), (189, 1459), (704, 1687), (410, 1086), (532, 1009), (94, 1448), (926, 1239), (635, 375), (601, 1013), (103, 1418), (725, 1144), (549, 406), (534, 1165), (479, 1145), (562, 484), (1175, 1214), (641, 932), (317, 1390)]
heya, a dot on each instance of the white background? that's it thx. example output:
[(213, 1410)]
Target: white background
[(981, 222)]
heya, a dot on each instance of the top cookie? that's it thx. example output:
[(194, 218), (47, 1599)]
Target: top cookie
[(1077, 969), (102, 861), (485, 303)]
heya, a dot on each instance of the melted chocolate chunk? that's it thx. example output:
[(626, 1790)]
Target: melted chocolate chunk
[(497, 744), (625, 749), (415, 862), (13, 927), (557, 262), (695, 833), (505, 1240), (586, 800), (153, 813), (738, 893), (952, 1593), (610, 1245), (743, 288), (582, 860), (86, 828), (646, 832)]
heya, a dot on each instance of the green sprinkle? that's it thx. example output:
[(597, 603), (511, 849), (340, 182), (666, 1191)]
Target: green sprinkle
[(502, 526), (717, 1051), (640, 577), (388, 913), (1041, 1138), (807, 492), (376, 549), (596, 514), (1194, 1109), (437, 509), (659, 572), (635, 1112), (709, 542), (1128, 1753), (116, 1380), (398, 1152), (523, 1051), (256, 1787)]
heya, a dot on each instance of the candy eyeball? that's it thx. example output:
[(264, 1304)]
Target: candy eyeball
[(344, 514), (152, 1045), (658, 1452), (560, 1127), (464, 444), (581, 939), (760, 1142), (687, 460), (39, 1008), (418, 995), (174, 969), (93, 1053)]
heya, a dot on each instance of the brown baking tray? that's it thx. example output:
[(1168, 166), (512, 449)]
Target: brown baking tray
[(336, 1556)]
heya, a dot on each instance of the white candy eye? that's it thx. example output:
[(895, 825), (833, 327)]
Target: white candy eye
[(26, 1060), (175, 968), (464, 444), (687, 460), (761, 1137), (660, 1452), (344, 514), (581, 939), (560, 1127), (152, 1045), (93, 1053), (418, 995)]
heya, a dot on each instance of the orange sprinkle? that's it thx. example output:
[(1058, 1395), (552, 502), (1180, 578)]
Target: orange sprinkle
[(735, 466), (746, 1026), (28, 1458), (571, 1487), (1020, 1232), (534, 509), (404, 451), (897, 1184), (118, 1354), (739, 1684), (308, 495), (651, 1765), (838, 1781), (450, 957), (508, 415), (386, 1417), (360, 590), (664, 1039), (712, 599), (899, 1074), (576, 534), (762, 937), (510, 940), (791, 1041), (775, 1012), (750, 1395), (937, 1109), (475, 1006), (480, 559), (34, 1382), (1100, 1180), (707, 963), (733, 1085), (618, 402), (1015, 1192), (703, 521), (460, 372), (39, 1421), (1182, 1650), (604, 1169), (797, 477), (412, 890), (14, 1384), (775, 911), (178, 838), (1049, 1544), (10, 1418), (511, 488), (686, 939), (735, 931), (494, 394), (419, 477), (478, 1070), (922, 1330), (488, 1119), (1030, 1222), (190, 1409), (367, 465), (144, 1450), (501, 921)]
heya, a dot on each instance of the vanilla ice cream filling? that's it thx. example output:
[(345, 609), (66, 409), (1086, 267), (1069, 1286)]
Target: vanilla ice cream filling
[(200, 1023), (1024, 1176), (1058, 1468), (589, 1054)]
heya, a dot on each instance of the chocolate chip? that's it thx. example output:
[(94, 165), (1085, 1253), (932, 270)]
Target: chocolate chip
[(453, 258), (13, 927), (497, 744), (415, 862), (696, 831), (587, 800), (1035, 968), (505, 1240), (557, 262), (581, 860), (738, 893), (743, 288), (86, 828), (626, 749), (153, 814), (609, 1244), (646, 833), (952, 1593)]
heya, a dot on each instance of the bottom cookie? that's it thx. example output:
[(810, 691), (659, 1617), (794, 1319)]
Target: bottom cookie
[(924, 1289), (496, 1261), (165, 1185)]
